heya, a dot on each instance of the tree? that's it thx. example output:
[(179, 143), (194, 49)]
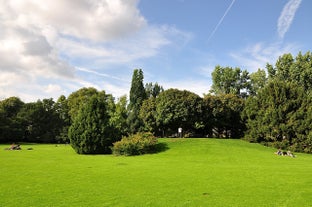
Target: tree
[(91, 131), (281, 113), (270, 116), (227, 80), (257, 81), (77, 99), (10, 130), (40, 121), (176, 108), (119, 116), (148, 115), (137, 96), (62, 110), (298, 69), (222, 115), (153, 90)]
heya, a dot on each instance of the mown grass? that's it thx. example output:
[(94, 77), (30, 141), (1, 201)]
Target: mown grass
[(191, 172)]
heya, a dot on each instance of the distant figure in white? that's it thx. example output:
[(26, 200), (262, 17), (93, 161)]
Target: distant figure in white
[(180, 132)]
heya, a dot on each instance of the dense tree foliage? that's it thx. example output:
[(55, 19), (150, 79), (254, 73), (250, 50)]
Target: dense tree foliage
[(91, 132), (40, 121), (280, 114), (137, 96), (119, 116), (227, 80), (153, 90), (10, 123), (223, 115), (77, 99), (272, 106)]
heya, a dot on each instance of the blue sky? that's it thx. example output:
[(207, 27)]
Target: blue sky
[(50, 48)]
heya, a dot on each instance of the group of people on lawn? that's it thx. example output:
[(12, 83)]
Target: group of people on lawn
[(284, 153)]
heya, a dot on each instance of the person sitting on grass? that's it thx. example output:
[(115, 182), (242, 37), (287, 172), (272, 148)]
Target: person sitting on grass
[(279, 152), (15, 147), (289, 153)]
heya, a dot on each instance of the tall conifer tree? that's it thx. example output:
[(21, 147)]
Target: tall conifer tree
[(137, 96)]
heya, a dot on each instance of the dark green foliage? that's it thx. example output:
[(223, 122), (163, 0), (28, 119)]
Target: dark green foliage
[(137, 96), (222, 115), (40, 121), (119, 116), (90, 132), (10, 130), (148, 115), (280, 114), (77, 99), (176, 108), (62, 110), (137, 144)]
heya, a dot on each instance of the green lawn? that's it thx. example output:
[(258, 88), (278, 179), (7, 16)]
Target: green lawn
[(191, 172)]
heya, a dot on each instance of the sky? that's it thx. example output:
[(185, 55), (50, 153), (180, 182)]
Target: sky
[(53, 48)]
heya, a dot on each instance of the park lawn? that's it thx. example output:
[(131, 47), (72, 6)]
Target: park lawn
[(191, 172)]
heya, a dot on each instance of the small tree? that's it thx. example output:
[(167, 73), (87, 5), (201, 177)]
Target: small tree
[(90, 132)]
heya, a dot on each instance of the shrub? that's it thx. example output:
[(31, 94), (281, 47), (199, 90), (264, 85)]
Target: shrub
[(90, 132), (136, 144)]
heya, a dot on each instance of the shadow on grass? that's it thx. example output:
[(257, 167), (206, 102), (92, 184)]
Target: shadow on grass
[(160, 147)]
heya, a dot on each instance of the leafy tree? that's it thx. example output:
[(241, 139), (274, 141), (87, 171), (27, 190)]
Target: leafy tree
[(298, 69), (176, 108), (119, 116), (227, 80), (148, 115), (91, 132), (257, 81), (222, 115), (10, 130), (77, 99), (270, 116), (280, 113), (62, 109), (137, 96), (40, 121), (153, 90)]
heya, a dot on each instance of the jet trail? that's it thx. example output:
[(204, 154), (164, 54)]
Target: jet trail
[(221, 20)]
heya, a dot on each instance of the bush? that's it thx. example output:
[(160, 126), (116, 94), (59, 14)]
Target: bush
[(137, 144), (90, 132)]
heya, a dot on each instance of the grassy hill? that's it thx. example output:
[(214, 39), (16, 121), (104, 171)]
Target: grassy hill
[(191, 172)]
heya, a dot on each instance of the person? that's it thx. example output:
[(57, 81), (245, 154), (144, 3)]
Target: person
[(279, 152), (12, 147), (15, 147), (289, 153)]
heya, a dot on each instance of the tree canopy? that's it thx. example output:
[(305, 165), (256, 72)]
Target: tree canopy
[(272, 106)]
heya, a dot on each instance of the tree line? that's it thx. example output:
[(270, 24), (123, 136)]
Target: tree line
[(270, 106)]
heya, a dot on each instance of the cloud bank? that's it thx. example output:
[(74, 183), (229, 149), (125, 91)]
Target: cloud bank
[(43, 44)]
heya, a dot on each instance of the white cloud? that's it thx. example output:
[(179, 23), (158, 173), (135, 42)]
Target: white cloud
[(287, 16), (42, 43), (94, 19), (258, 55)]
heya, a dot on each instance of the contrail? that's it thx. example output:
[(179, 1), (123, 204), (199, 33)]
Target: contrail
[(287, 16), (100, 74), (221, 20)]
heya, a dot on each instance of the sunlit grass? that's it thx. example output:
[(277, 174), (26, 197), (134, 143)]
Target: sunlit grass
[(191, 172)]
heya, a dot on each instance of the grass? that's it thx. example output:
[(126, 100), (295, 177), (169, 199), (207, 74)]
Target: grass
[(191, 172)]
